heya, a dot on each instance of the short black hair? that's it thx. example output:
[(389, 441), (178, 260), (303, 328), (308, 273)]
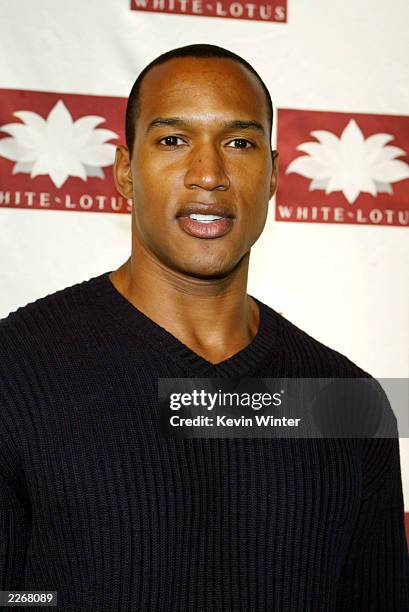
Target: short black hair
[(197, 50)]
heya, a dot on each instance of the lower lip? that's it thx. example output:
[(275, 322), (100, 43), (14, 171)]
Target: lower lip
[(212, 229)]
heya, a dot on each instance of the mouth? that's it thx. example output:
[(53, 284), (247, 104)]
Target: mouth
[(205, 220)]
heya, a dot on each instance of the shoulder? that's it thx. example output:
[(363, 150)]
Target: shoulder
[(46, 320), (307, 356)]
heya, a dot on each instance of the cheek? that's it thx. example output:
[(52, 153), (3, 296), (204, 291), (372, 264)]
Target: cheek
[(148, 195), (252, 180), (254, 205), (156, 181)]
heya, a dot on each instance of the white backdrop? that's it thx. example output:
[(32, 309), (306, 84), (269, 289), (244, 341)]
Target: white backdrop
[(345, 284)]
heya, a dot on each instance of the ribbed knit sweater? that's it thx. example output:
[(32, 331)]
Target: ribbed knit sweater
[(96, 505)]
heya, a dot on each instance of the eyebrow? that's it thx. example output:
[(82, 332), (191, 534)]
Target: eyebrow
[(241, 124)]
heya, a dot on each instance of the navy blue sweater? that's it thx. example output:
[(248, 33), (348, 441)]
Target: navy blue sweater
[(96, 505)]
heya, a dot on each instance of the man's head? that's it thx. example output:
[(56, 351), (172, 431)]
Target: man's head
[(186, 113), (199, 50)]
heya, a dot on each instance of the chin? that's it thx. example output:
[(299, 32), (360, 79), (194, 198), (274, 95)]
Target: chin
[(209, 271), (203, 275)]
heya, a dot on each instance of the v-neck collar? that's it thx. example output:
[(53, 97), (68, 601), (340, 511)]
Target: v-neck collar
[(263, 347)]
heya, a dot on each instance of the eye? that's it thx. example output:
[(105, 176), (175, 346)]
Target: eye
[(242, 140), (169, 138)]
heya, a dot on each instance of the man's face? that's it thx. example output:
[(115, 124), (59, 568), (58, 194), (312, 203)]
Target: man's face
[(200, 161)]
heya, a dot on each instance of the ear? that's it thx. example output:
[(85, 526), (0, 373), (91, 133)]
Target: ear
[(122, 172), (274, 173)]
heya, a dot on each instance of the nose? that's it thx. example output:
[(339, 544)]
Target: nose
[(206, 169)]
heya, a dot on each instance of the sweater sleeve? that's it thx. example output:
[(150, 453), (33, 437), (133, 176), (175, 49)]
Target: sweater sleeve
[(375, 574), (15, 510), (14, 533)]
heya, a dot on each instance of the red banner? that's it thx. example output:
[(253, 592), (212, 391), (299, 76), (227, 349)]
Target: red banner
[(57, 151), (343, 168), (256, 10)]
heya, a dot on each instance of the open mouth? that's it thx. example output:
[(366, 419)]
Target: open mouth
[(205, 226), (204, 218)]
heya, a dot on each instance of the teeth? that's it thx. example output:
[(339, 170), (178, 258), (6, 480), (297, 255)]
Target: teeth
[(204, 218)]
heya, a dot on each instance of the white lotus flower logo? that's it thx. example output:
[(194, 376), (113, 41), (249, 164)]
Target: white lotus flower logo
[(58, 146), (350, 163)]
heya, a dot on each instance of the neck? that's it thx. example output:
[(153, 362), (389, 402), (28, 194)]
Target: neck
[(214, 316)]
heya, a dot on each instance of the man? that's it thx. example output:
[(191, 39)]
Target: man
[(95, 503)]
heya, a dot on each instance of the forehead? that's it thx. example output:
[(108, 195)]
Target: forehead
[(202, 88)]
